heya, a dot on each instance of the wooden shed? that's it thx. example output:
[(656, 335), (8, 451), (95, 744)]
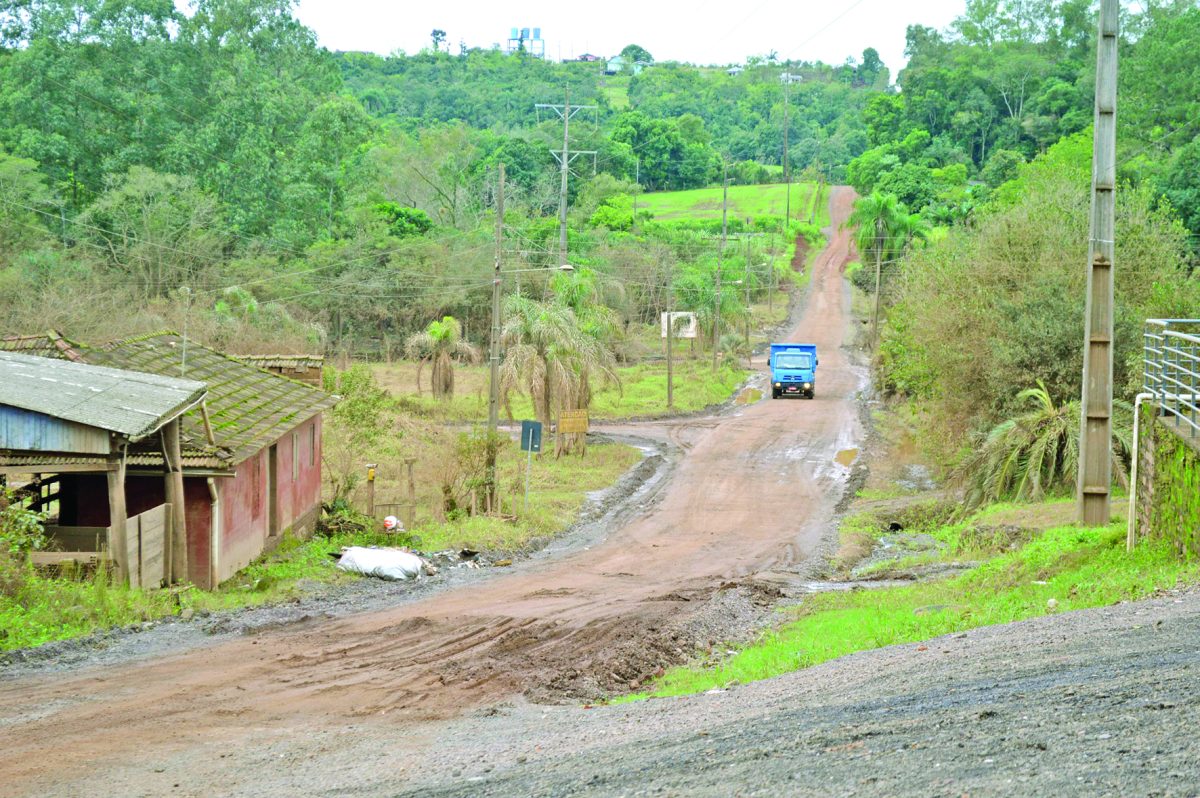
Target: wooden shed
[(61, 419), (250, 454)]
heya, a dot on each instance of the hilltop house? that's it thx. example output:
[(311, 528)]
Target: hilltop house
[(250, 452)]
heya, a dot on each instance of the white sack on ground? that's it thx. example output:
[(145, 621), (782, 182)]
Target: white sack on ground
[(383, 563)]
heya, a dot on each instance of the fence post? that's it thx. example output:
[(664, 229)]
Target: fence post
[(410, 514), (371, 489)]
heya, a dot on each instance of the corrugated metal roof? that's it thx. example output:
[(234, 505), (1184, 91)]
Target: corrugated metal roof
[(126, 402)]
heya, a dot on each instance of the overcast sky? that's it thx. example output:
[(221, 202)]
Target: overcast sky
[(699, 31)]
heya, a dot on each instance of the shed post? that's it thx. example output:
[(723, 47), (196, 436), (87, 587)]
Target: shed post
[(117, 542), (177, 543)]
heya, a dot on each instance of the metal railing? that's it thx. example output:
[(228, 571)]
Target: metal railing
[(1171, 357)]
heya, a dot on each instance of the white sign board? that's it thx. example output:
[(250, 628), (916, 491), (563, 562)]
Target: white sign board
[(683, 322)]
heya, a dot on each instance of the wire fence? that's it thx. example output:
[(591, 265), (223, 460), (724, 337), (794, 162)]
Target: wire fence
[(1171, 355)]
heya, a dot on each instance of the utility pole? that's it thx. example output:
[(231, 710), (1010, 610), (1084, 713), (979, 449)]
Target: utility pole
[(747, 282), (564, 158), (771, 279), (1095, 425), (637, 179), (787, 166), (494, 344), (565, 162), (721, 261), (670, 359)]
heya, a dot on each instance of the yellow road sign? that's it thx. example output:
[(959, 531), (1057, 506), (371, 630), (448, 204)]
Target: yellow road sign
[(573, 421)]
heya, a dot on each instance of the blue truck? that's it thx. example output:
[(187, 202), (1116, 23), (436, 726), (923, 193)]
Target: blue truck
[(793, 370)]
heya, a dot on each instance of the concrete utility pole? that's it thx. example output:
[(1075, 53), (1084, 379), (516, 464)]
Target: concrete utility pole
[(564, 158), (1095, 426), (721, 261), (494, 343), (494, 340)]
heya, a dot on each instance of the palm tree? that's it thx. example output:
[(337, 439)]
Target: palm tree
[(580, 291), (1037, 451), (877, 217), (910, 228), (548, 354), (441, 343)]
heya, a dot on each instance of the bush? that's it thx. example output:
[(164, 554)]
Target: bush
[(21, 529), (997, 307)]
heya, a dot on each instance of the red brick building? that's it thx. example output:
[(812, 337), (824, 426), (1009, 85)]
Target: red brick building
[(251, 452)]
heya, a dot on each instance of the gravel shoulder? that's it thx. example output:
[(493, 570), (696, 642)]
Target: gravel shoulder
[(1096, 702)]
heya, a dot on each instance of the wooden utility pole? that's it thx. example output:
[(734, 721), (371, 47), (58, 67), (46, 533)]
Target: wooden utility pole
[(787, 166), (720, 261), (637, 179), (371, 489), (771, 279), (494, 344), (670, 361), (747, 281), (1095, 435), (412, 495)]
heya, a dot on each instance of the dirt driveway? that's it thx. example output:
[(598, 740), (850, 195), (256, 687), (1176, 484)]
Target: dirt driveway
[(754, 493)]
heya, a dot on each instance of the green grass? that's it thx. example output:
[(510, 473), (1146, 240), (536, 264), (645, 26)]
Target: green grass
[(616, 90), (695, 387), (36, 609), (1076, 567), (744, 201), (643, 389)]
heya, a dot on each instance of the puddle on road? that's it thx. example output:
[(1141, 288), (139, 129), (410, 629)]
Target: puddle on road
[(748, 396), (846, 457)]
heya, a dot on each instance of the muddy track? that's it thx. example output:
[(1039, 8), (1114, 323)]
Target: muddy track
[(755, 492)]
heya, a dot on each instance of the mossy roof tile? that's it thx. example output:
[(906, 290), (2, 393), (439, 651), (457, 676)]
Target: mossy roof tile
[(255, 407)]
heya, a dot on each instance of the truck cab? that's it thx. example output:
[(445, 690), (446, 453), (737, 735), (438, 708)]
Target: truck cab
[(793, 370)]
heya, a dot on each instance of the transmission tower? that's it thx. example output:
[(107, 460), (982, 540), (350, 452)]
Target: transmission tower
[(565, 158)]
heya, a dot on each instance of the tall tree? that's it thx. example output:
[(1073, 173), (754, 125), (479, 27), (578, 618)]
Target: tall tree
[(877, 217), (440, 344)]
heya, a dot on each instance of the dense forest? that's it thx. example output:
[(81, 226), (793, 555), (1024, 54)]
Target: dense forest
[(218, 170)]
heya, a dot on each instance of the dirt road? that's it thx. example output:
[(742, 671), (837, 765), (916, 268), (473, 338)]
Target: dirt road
[(754, 493)]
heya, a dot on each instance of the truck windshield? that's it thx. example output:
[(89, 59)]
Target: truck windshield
[(786, 360)]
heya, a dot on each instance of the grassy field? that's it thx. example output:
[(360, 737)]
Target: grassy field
[(615, 89), (643, 389), (744, 201), (1061, 568), (35, 609)]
